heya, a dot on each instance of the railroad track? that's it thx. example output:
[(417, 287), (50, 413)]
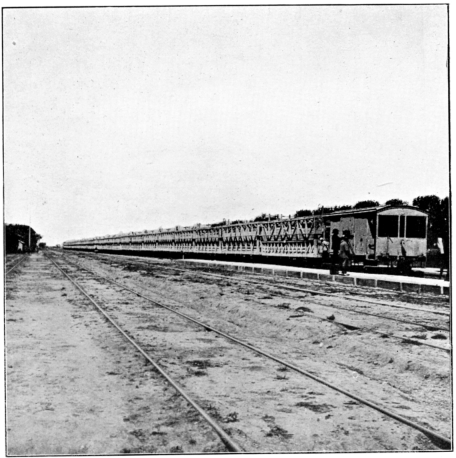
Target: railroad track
[(11, 259), (276, 283), (384, 334), (14, 264), (229, 442), (432, 326), (438, 439)]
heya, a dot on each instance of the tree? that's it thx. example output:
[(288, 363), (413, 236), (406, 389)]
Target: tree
[(396, 202), (266, 217), (438, 221), (11, 239), (444, 219), (20, 232), (262, 217), (339, 208), (322, 210), (366, 204), (301, 213), (429, 204)]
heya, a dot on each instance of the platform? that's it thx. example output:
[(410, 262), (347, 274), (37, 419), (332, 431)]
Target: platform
[(391, 282)]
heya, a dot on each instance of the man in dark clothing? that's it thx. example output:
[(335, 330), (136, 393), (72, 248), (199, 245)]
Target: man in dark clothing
[(335, 245), (346, 251)]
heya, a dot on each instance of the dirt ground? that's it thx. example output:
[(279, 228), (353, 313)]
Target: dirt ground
[(74, 386)]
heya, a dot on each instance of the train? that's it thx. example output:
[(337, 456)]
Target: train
[(379, 235)]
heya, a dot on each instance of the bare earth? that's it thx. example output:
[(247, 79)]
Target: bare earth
[(75, 386)]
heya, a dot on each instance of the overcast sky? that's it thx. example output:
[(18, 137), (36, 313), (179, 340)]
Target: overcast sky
[(121, 119)]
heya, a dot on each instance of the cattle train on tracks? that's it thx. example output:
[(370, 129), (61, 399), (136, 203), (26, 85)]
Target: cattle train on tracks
[(379, 235)]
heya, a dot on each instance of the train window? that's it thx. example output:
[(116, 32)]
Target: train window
[(416, 227), (388, 225)]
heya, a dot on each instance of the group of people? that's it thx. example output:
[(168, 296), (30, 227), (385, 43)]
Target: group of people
[(343, 251)]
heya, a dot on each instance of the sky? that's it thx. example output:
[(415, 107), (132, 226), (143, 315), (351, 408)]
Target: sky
[(126, 119)]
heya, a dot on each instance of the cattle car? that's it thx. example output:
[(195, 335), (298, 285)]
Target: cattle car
[(379, 234), (384, 234)]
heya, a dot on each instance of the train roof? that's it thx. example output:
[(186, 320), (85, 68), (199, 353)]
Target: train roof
[(376, 209)]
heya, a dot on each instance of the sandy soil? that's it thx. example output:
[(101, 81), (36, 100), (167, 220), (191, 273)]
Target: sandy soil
[(269, 408), (74, 386)]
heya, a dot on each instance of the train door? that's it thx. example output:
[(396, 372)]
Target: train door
[(361, 236)]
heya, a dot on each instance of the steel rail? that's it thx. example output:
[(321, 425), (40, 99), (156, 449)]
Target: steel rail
[(15, 265), (428, 327), (12, 259), (230, 443), (345, 325), (442, 441), (294, 288), (323, 293)]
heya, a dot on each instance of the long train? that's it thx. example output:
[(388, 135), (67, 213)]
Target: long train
[(383, 234)]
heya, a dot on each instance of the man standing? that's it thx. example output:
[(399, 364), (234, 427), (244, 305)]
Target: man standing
[(335, 245), (323, 248), (346, 251)]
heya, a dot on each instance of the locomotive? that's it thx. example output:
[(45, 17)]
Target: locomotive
[(379, 235)]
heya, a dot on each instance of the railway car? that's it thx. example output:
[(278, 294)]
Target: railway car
[(382, 234)]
